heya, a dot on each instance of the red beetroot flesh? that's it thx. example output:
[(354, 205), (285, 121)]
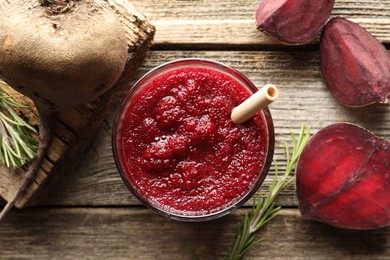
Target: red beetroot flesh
[(293, 21), (182, 151), (355, 65), (343, 178)]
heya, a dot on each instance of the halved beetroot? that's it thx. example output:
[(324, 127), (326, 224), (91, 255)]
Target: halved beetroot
[(343, 178), (293, 21), (355, 65)]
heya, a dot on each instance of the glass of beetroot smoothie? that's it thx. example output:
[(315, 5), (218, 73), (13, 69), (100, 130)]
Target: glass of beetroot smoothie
[(177, 149)]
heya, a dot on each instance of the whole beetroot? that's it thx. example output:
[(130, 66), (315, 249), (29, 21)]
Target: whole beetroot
[(355, 65), (343, 178), (60, 53), (293, 21)]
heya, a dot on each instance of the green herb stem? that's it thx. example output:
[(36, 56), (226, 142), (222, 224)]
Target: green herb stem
[(16, 143), (264, 208)]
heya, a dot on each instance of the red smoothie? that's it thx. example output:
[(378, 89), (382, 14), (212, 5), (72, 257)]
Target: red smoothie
[(180, 151)]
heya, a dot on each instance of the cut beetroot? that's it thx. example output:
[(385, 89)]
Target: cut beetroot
[(355, 65), (343, 178), (293, 21)]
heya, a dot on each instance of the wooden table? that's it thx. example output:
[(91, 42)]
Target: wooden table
[(90, 214)]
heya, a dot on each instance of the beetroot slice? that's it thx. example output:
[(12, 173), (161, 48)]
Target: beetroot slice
[(293, 21), (343, 178), (355, 65)]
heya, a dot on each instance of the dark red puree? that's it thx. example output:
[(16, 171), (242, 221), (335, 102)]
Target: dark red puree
[(181, 149)]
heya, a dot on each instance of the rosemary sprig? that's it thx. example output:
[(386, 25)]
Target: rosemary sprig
[(16, 143), (264, 208)]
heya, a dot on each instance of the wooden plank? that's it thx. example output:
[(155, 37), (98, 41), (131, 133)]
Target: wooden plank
[(230, 23), (297, 74), (137, 233), (75, 127)]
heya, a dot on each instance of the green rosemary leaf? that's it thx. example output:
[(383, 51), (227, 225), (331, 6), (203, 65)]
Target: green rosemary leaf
[(288, 159), (6, 154), (17, 145), (13, 154), (258, 241), (245, 233), (264, 208), (294, 141)]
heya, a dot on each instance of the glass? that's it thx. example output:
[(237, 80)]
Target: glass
[(161, 70)]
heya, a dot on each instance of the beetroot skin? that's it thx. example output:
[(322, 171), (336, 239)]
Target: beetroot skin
[(355, 65), (293, 21), (343, 178)]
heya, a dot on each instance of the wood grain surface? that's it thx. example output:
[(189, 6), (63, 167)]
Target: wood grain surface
[(90, 214), (137, 233), (231, 23)]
